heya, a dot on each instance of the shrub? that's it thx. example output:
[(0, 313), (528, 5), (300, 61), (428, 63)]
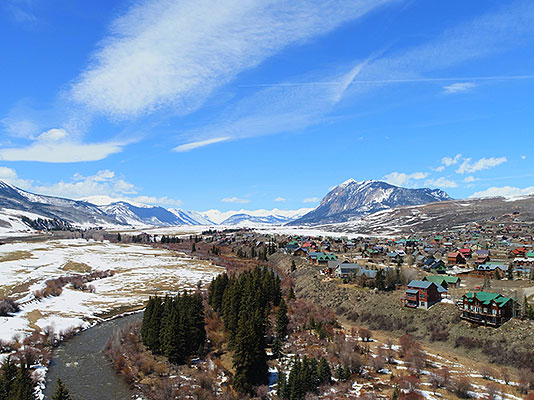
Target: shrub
[(8, 306)]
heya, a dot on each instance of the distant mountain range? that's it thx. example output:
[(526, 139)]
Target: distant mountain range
[(352, 207), (80, 213), (353, 199), (16, 203)]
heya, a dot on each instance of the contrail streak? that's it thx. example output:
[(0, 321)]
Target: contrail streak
[(410, 80)]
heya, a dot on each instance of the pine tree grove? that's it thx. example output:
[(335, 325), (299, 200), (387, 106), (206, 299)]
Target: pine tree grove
[(16, 382), (174, 326), (244, 303)]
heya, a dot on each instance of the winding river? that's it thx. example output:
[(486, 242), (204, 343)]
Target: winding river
[(82, 366)]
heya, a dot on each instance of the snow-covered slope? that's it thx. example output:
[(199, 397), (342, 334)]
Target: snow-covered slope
[(354, 199), (223, 218), (79, 213), (144, 215), (191, 217)]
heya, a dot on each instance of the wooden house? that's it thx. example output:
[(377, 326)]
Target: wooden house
[(487, 308), (445, 281), (455, 257), (423, 294)]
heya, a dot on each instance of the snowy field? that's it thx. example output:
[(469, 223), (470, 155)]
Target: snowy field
[(265, 229), (140, 271)]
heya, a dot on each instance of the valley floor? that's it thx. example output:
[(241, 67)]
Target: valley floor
[(139, 272)]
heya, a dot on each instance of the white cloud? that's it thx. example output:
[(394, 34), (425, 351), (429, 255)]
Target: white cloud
[(56, 146), (20, 128), (448, 161), (235, 200), (52, 135), (201, 143), (439, 169), (504, 191), (102, 183), (280, 199), (311, 200), (274, 109), (164, 52), (441, 182), (523, 157), (402, 179), (470, 178), (156, 200), (458, 87), (9, 175), (482, 164), (101, 188)]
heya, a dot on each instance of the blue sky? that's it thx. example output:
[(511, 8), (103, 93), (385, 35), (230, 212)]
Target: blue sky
[(254, 104)]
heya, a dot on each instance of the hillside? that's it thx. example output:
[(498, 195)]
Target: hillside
[(440, 216), (353, 199)]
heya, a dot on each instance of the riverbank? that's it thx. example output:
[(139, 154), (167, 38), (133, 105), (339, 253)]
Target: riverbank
[(83, 367)]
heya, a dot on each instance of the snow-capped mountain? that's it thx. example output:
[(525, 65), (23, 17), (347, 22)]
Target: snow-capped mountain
[(191, 217), (254, 217), (353, 199), (247, 219), (145, 215), (79, 213)]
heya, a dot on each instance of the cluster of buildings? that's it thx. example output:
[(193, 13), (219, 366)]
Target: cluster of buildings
[(443, 261)]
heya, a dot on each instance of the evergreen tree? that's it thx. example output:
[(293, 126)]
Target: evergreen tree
[(324, 372), (175, 326), (291, 294), (9, 373), (282, 320), (340, 373), (293, 266), (380, 280), (154, 326), (281, 387), (347, 373), (23, 385), (277, 348), (147, 315), (61, 392), (193, 248)]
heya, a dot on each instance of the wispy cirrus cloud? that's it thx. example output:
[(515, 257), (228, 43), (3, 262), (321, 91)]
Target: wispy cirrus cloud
[(201, 143), (458, 87), (176, 53), (311, 200), (279, 107)]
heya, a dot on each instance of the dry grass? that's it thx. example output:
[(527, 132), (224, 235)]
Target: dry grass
[(33, 317), (16, 255), (76, 267), (17, 291)]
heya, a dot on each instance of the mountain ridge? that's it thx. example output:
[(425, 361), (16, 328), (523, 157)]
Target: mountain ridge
[(352, 199)]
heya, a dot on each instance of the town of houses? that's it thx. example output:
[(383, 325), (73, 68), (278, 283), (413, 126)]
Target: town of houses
[(485, 269)]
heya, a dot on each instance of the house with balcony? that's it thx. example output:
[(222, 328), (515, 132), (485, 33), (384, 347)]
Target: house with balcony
[(487, 308), (423, 294)]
